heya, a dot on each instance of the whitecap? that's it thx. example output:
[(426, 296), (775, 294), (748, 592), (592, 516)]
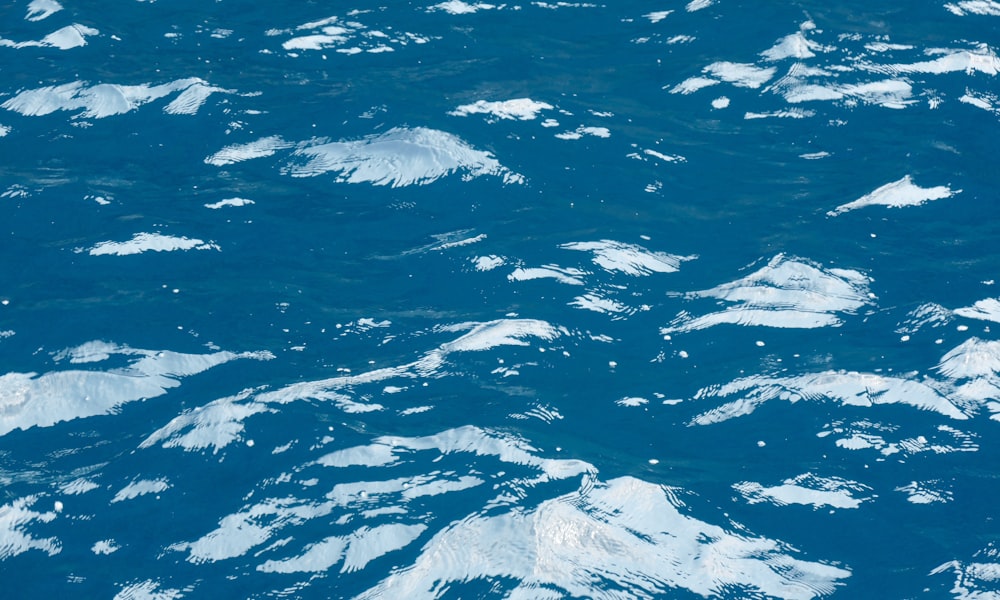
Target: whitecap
[(808, 489), (148, 242), (66, 38), (97, 101), (457, 7), (568, 276), (31, 400), (42, 9), (264, 147), (656, 17), (522, 109), (630, 259), (696, 5), (14, 539), (220, 422), (785, 293), (974, 7), (985, 310), (626, 530), (398, 157), (229, 202), (849, 388), (141, 487), (897, 195)]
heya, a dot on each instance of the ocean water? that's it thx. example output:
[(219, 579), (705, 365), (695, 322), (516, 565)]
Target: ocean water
[(524, 300)]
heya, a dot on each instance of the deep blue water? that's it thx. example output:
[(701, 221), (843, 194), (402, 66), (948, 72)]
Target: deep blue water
[(540, 300)]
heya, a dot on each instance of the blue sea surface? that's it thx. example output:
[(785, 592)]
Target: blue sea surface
[(473, 300)]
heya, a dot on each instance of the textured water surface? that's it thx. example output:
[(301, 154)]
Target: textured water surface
[(468, 300)]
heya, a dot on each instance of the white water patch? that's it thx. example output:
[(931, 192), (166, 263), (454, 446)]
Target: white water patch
[(696, 5), (978, 579), (974, 7), (741, 74), (148, 590), (626, 530), (357, 549), (631, 259), (579, 132), (14, 537), (240, 532), (4, 130), (785, 293), (221, 422), (595, 302), (488, 263), (31, 400), (807, 489), (657, 16), (104, 547), (229, 202), (67, 38), (848, 388), (667, 158), (985, 310), (193, 98), (795, 46), (398, 157), (264, 147), (457, 7), (693, 84), (567, 275), (972, 372), (141, 487), (345, 36), (522, 109), (897, 194), (105, 99), (925, 492), (147, 242), (792, 113), (981, 59), (42, 9)]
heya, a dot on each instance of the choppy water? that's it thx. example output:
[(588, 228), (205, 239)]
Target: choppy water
[(539, 300)]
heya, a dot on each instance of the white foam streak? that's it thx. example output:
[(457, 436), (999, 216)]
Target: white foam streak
[(457, 7), (807, 489), (67, 38), (14, 539), (982, 60), (975, 7), (148, 242), (398, 157), (240, 532), (147, 590), (741, 74), (695, 5), (626, 530), (568, 276), (141, 487), (261, 148), (522, 109), (29, 400), (897, 194), (220, 422), (229, 202), (973, 358), (42, 9), (985, 310), (849, 388), (105, 99), (630, 259), (787, 293)]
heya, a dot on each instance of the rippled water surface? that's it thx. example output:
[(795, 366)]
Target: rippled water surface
[(468, 300)]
